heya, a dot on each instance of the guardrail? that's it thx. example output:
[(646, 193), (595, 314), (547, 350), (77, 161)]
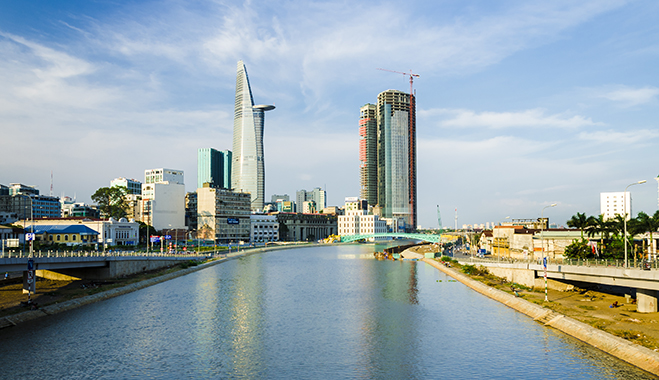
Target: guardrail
[(575, 262)]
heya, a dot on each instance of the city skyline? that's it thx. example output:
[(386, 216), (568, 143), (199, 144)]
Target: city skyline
[(520, 105)]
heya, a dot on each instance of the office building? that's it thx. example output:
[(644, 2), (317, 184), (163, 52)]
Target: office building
[(615, 203), (264, 228), (163, 175), (163, 205), (223, 215), (132, 186), (248, 165), (214, 167), (368, 153), (19, 188), (317, 195), (31, 206)]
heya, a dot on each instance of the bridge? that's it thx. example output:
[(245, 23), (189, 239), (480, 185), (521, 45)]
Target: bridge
[(529, 272), (93, 265), (424, 237)]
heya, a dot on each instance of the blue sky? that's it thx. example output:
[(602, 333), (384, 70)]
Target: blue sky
[(520, 103)]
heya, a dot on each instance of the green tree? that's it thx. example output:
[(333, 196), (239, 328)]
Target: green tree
[(581, 222), (579, 249), (111, 201)]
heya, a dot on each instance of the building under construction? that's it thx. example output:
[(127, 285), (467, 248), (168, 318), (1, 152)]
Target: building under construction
[(387, 155)]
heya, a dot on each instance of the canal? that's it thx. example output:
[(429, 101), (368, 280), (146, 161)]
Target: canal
[(319, 313)]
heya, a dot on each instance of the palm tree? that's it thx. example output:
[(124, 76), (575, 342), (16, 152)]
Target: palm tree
[(648, 223), (599, 226), (581, 222)]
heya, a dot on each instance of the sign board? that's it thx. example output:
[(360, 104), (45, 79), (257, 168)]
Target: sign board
[(13, 243), (168, 237), (29, 236), (30, 264), (155, 239), (233, 221)]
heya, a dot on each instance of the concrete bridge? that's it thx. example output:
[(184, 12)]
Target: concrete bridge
[(424, 237), (94, 265), (531, 273)]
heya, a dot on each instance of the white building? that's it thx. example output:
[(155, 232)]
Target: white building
[(356, 220), (163, 175), (163, 205), (263, 228), (132, 186), (616, 203)]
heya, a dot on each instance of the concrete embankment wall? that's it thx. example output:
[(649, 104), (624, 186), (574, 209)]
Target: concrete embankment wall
[(632, 353)]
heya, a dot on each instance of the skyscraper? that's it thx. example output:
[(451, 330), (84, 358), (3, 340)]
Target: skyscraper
[(368, 154), (248, 167), (393, 185), (214, 167)]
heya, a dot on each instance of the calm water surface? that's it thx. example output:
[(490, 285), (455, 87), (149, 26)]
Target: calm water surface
[(316, 313)]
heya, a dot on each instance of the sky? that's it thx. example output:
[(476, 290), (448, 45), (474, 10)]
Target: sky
[(520, 104)]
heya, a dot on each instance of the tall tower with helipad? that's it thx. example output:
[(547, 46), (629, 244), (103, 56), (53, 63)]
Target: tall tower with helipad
[(248, 166)]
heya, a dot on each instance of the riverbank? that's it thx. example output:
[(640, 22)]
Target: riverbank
[(632, 353), (80, 293)]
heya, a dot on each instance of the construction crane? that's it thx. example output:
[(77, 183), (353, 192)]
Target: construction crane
[(412, 76)]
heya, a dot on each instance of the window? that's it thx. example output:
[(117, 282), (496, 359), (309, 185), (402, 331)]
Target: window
[(73, 237), (58, 237)]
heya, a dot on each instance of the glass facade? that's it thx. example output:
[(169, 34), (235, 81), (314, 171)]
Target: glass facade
[(248, 163), (214, 167)]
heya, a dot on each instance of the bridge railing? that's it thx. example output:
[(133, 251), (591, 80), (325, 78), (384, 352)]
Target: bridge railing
[(45, 254), (654, 264)]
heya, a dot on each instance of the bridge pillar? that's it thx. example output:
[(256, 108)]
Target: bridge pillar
[(646, 301)]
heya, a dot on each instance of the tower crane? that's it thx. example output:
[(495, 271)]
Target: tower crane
[(412, 76)]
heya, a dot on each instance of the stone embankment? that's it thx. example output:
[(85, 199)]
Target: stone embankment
[(632, 353)]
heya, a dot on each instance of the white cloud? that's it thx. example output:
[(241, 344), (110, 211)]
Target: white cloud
[(628, 97), (534, 118), (620, 138)]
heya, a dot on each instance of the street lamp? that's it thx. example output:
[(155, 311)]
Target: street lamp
[(542, 243), (624, 210)]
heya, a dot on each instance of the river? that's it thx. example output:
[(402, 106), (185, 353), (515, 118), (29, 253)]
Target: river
[(315, 313)]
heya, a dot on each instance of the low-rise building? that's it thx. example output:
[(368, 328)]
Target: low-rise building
[(111, 232), (305, 227), (263, 228), (357, 221), (71, 234)]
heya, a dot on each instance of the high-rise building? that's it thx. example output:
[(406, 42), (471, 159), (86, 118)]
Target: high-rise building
[(214, 167), (368, 153), (615, 203), (248, 167), (317, 195), (163, 199), (396, 156)]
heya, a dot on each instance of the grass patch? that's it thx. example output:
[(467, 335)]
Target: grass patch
[(636, 337), (587, 307)]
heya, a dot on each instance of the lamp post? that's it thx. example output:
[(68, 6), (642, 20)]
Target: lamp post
[(542, 244), (624, 219)]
